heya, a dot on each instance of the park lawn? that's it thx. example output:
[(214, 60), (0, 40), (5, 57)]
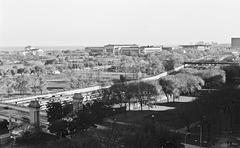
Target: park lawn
[(132, 116), (3, 131), (168, 118)]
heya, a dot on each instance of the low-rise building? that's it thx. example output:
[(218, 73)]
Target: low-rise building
[(151, 49), (94, 51), (196, 46), (115, 49), (131, 51), (29, 50)]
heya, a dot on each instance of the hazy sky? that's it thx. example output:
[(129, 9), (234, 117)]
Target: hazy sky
[(99, 22)]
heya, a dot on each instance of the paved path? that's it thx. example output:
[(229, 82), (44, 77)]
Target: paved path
[(191, 146)]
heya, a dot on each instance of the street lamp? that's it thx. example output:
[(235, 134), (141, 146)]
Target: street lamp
[(113, 123), (153, 117), (203, 119), (186, 134)]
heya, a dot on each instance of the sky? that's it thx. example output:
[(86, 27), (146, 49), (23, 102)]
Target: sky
[(100, 22)]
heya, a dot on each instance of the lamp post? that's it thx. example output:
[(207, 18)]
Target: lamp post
[(203, 118), (186, 134), (113, 123), (153, 122)]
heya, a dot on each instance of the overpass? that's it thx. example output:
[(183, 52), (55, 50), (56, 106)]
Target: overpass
[(19, 108), (21, 118), (211, 63)]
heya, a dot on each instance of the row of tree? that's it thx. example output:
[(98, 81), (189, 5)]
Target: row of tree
[(64, 121), (123, 94), (190, 81), (23, 84)]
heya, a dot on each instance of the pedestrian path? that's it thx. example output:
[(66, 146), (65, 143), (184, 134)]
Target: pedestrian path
[(191, 146)]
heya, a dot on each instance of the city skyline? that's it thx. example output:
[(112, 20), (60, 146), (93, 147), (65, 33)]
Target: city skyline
[(96, 23)]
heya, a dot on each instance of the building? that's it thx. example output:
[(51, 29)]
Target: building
[(29, 50), (130, 51), (168, 48), (151, 49), (94, 51), (196, 46), (115, 49), (235, 42), (123, 49)]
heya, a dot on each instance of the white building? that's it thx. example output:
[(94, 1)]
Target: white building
[(151, 49), (29, 50), (196, 46)]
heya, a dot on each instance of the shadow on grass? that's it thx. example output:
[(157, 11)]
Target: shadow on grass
[(171, 104), (169, 118)]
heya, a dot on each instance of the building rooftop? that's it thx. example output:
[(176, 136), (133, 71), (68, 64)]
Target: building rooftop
[(121, 45)]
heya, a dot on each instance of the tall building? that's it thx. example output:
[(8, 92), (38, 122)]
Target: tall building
[(235, 43)]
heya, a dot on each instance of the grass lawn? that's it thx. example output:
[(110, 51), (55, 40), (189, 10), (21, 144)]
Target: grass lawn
[(3, 131), (168, 118)]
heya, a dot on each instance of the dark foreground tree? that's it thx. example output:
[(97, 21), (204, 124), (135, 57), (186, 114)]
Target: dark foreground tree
[(56, 114), (151, 135)]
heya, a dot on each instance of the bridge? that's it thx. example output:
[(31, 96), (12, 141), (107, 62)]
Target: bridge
[(211, 63), (21, 117)]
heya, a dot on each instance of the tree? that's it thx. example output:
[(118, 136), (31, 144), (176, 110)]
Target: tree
[(98, 111), (59, 127), (182, 83), (129, 93), (145, 92), (231, 73), (214, 78), (117, 94), (155, 67), (56, 113), (38, 70), (22, 84), (42, 84), (4, 125), (77, 82), (151, 135), (150, 92), (7, 85), (168, 87), (20, 71), (34, 84), (184, 112)]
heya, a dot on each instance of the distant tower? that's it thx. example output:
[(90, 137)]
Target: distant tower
[(77, 102), (34, 109)]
